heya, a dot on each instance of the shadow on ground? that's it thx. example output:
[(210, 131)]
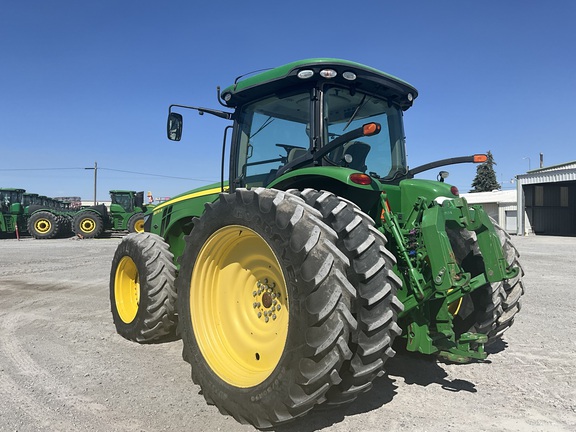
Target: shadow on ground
[(413, 369)]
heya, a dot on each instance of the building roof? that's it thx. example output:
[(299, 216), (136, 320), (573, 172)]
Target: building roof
[(552, 174), (563, 166), (496, 197)]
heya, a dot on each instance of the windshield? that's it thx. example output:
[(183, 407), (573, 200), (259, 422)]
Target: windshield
[(273, 132), (124, 200), (7, 198), (381, 155)]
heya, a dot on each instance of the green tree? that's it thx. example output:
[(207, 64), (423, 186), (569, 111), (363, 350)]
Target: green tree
[(485, 180)]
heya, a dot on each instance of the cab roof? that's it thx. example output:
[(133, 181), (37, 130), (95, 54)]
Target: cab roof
[(283, 77)]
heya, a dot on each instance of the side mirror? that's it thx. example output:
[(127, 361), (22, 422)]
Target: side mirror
[(174, 127)]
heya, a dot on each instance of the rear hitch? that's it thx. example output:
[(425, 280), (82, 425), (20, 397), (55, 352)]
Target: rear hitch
[(463, 352)]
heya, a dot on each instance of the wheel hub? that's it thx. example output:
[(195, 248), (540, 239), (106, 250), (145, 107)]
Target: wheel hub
[(87, 225), (267, 303), (43, 226)]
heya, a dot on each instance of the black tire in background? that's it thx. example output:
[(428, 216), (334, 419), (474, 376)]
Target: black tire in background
[(136, 223), (65, 226), (87, 224), (490, 309), (376, 307), (245, 245), (142, 292), (43, 225)]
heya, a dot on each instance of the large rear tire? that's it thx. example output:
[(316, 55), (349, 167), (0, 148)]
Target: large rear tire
[(264, 306), (88, 224), (377, 306), (490, 309), (142, 293), (43, 225)]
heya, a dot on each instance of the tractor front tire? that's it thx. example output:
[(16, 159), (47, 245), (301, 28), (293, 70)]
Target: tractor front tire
[(88, 224), (136, 223), (142, 293), (490, 309), (43, 225), (264, 306), (377, 306)]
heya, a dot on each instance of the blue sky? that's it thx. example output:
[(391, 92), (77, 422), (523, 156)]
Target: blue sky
[(92, 81)]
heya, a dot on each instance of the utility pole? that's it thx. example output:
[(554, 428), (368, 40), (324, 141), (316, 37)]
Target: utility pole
[(95, 178)]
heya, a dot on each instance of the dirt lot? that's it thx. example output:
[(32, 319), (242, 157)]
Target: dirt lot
[(64, 368)]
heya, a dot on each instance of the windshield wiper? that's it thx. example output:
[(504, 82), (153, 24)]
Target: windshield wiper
[(355, 113), (264, 125)]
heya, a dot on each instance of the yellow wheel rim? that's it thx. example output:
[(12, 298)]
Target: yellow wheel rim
[(239, 306), (127, 289), (42, 226), (87, 225), (139, 226)]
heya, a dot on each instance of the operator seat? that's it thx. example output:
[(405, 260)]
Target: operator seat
[(358, 151)]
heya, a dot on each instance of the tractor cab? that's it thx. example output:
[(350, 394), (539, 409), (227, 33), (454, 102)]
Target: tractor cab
[(319, 114), (126, 200), (11, 200), (29, 199), (328, 118)]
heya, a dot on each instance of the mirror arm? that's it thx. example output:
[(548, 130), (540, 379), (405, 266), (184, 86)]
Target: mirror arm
[(217, 113)]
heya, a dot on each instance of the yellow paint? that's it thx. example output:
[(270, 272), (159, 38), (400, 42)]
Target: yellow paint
[(127, 289), (186, 197), (241, 328)]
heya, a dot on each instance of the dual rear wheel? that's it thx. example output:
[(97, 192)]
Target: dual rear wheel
[(268, 311)]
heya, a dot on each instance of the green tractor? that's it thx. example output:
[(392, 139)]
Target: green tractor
[(126, 213), (46, 218), (11, 212), (294, 281)]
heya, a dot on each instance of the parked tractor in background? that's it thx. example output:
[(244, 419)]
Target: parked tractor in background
[(46, 218), (127, 210), (290, 282), (11, 214)]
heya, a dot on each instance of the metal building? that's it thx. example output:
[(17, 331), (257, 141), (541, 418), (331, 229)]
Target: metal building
[(547, 200), (500, 205)]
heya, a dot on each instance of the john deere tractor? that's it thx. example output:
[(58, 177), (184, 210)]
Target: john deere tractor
[(11, 212), (290, 281), (126, 213)]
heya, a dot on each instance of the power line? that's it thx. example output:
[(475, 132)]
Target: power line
[(107, 169), (38, 169), (154, 175)]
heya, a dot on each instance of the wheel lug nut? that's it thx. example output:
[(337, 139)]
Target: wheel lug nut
[(259, 314), (266, 319), (278, 307), (254, 293), (273, 316)]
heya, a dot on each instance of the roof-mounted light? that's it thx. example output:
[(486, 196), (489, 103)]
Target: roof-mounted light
[(305, 74), (227, 96), (350, 76), (410, 97), (328, 73)]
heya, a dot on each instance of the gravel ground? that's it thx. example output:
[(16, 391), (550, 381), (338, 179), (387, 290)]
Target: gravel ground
[(64, 368)]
